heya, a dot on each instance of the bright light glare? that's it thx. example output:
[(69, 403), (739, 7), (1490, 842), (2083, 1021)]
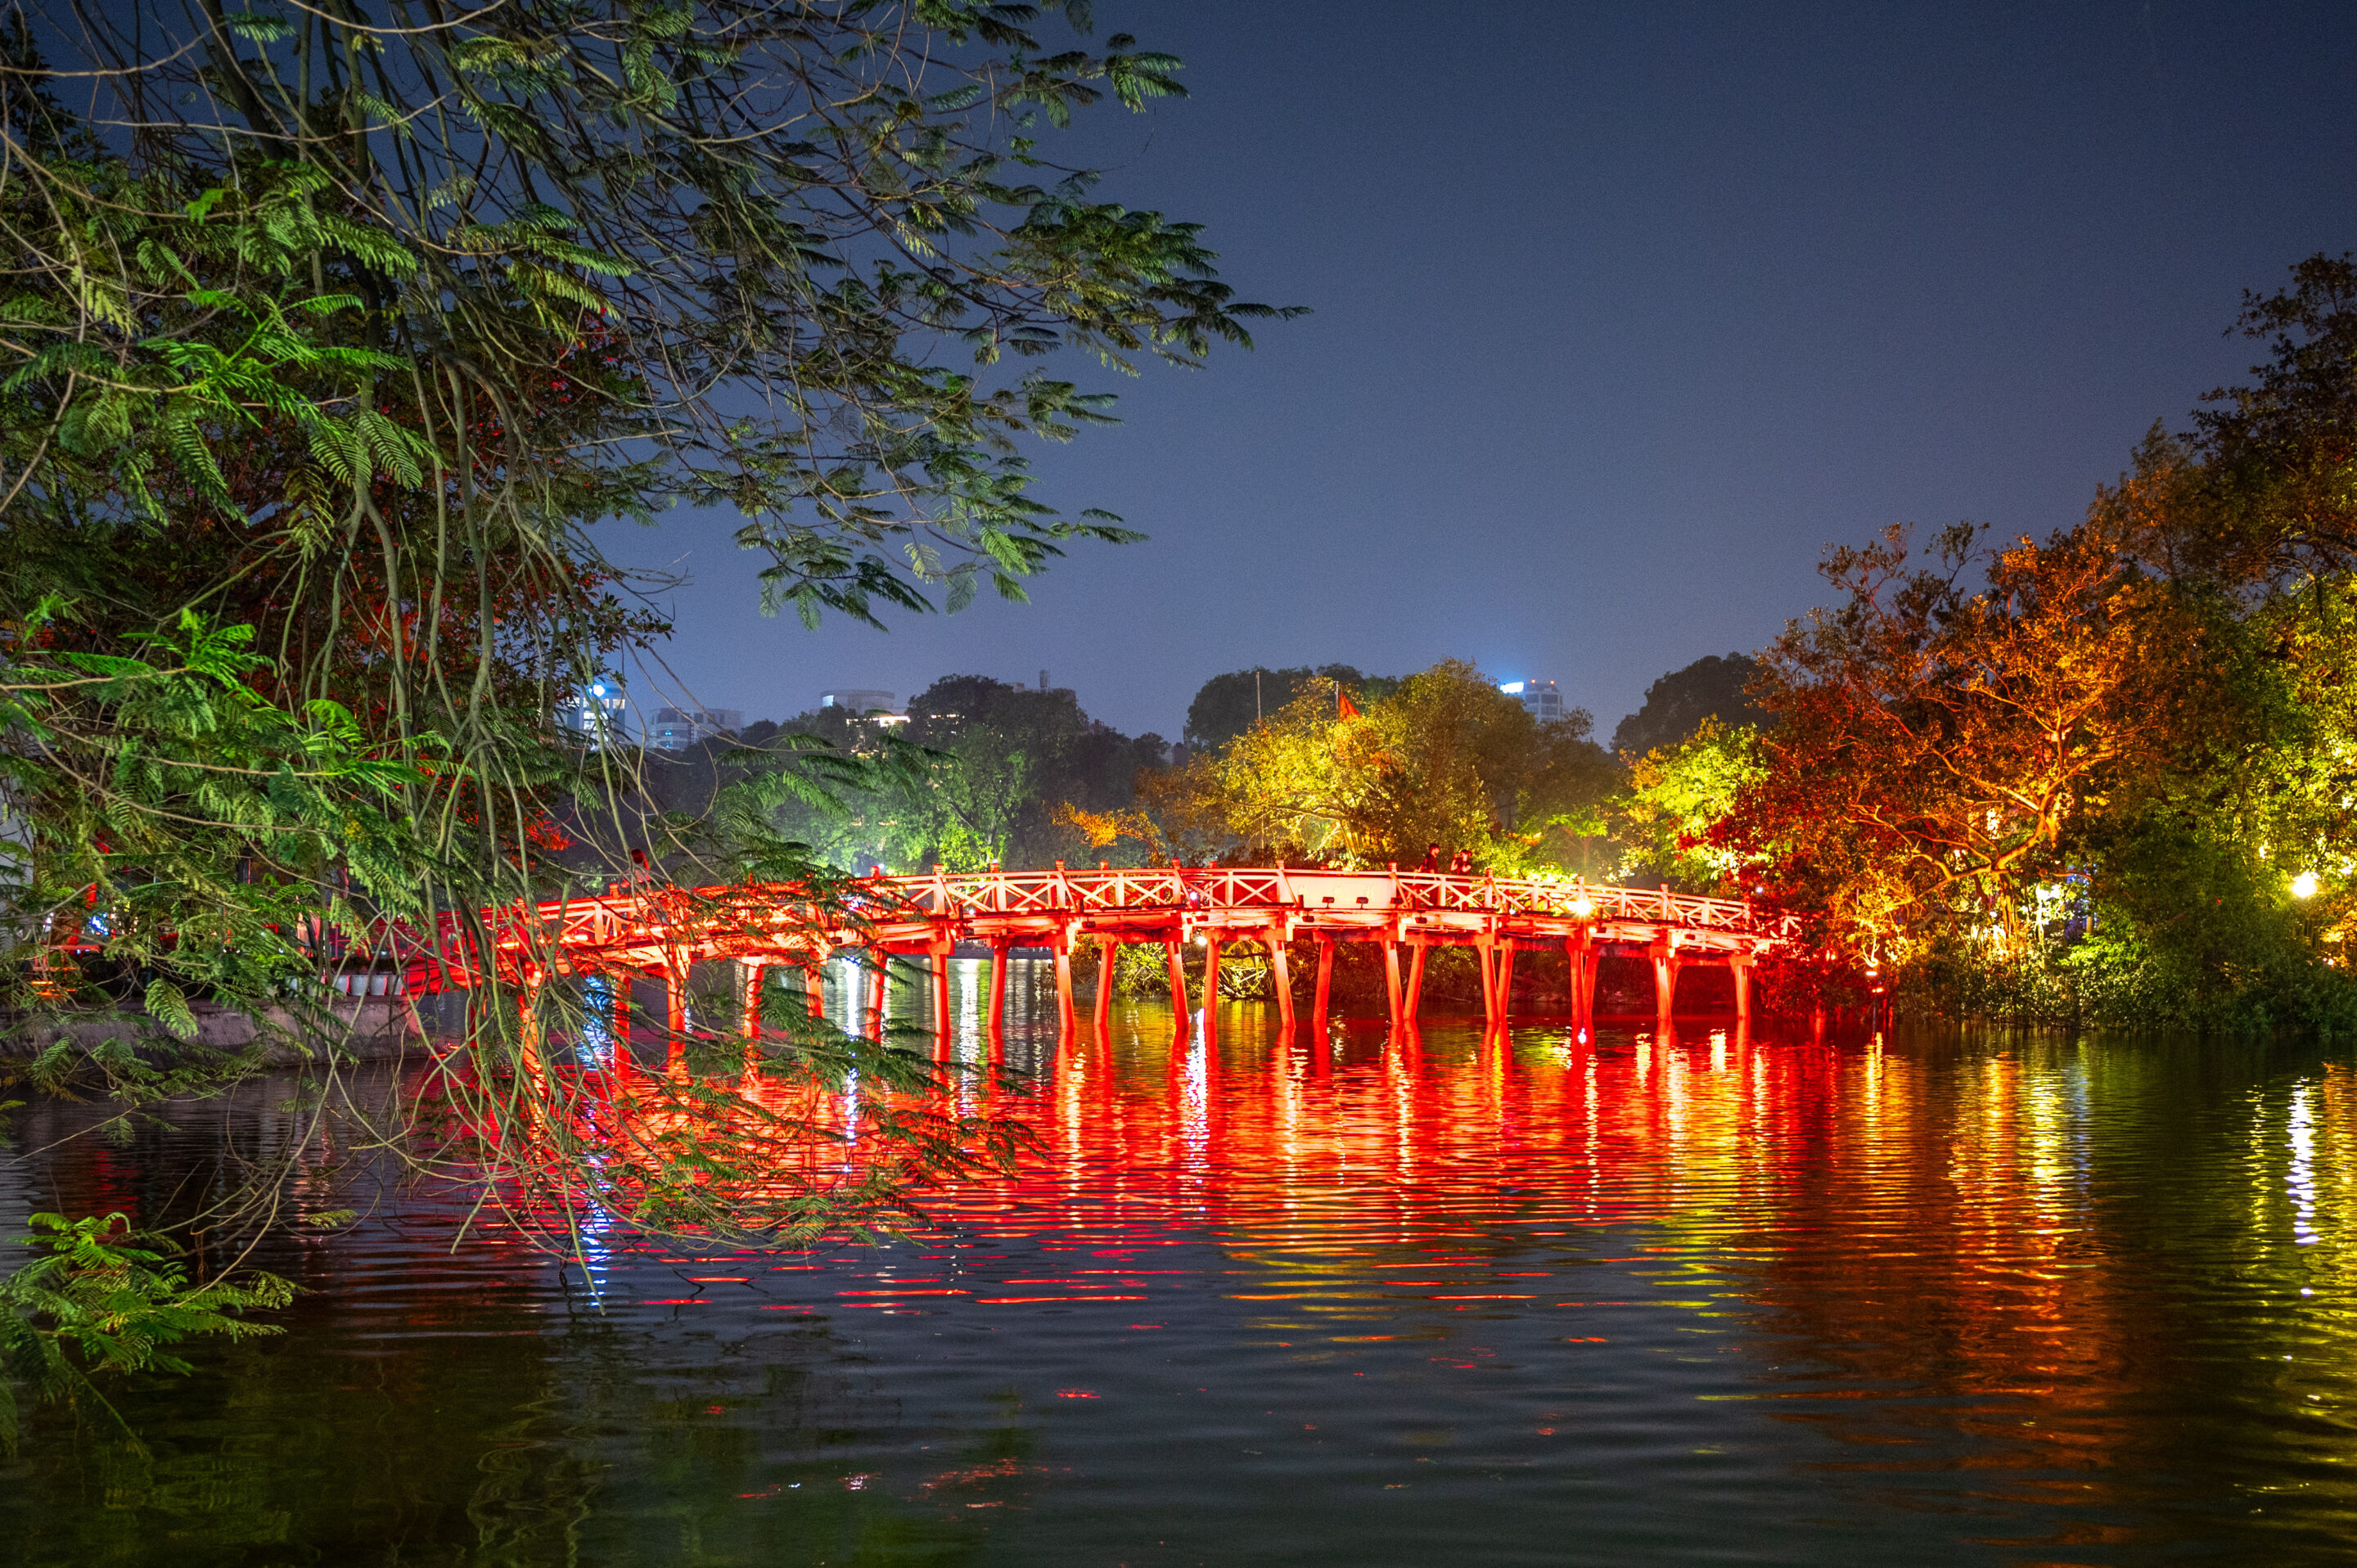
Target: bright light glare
[(2304, 885), (1511, 688), (1582, 907)]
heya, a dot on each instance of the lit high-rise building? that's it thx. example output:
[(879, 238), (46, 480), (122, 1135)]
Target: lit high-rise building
[(858, 700), (676, 729), (596, 713), (1539, 699)]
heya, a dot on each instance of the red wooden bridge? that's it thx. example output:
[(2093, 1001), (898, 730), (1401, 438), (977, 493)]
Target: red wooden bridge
[(661, 933)]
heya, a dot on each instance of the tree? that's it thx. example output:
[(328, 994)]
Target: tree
[(1934, 746), (1445, 758), (2257, 494), (2114, 783), (1677, 798), (1227, 706), (1680, 703), (332, 339)]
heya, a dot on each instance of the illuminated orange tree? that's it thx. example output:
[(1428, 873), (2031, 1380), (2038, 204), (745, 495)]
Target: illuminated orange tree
[(2110, 773)]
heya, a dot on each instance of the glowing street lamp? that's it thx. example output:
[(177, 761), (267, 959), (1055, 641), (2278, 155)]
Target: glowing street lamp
[(2304, 885)]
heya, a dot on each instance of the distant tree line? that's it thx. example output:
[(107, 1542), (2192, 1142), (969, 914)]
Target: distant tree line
[(1323, 764)]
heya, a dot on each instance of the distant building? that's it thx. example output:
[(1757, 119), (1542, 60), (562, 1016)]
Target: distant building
[(858, 700), (676, 729), (1539, 699), (596, 713)]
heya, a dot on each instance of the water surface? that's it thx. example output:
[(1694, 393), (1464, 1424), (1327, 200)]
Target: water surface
[(1697, 1299)]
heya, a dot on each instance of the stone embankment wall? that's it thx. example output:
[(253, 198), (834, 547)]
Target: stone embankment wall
[(367, 1029)]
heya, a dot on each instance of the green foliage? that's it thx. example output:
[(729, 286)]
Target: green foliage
[(1444, 758), (1226, 706), (1675, 797), (104, 1301), (993, 772), (335, 342)]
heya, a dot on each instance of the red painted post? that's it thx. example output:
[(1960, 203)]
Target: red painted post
[(675, 1018), (1281, 973), (941, 994), (996, 1021), (874, 963), (1109, 952), (1391, 977), (1325, 981), (1665, 984), (1173, 951), (620, 982), (814, 986), (1416, 976), (1211, 975), (528, 1031), (1741, 967), (1488, 981), (1505, 979), (1063, 950), (1582, 980), (749, 976)]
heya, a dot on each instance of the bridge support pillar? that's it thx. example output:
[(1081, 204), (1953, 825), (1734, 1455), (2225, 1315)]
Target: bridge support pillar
[(675, 1018), (528, 1040), (1579, 959), (1063, 950), (1416, 956), (1486, 950), (1505, 979), (814, 985), (750, 974), (1666, 964), (1174, 954), (1391, 977), (1280, 971), (1325, 982), (995, 1019), (618, 1029), (1739, 966), (1109, 957), (872, 977), (940, 957), (1210, 977)]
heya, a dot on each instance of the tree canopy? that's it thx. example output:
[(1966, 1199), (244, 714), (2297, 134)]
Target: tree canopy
[(1714, 687), (1227, 706), (1443, 757), (2108, 774)]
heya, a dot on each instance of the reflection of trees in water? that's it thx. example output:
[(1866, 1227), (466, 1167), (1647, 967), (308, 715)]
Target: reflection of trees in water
[(2063, 1273), (433, 1403)]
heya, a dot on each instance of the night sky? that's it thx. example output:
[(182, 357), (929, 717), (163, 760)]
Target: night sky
[(1622, 315)]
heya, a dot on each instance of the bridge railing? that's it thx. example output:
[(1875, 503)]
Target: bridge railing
[(695, 918)]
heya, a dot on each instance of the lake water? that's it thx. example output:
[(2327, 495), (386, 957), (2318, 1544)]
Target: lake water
[(1702, 1299)]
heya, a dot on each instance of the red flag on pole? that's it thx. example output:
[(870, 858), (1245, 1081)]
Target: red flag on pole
[(1343, 708)]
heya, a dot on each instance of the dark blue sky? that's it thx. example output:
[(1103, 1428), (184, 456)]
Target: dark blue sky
[(1622, 313)]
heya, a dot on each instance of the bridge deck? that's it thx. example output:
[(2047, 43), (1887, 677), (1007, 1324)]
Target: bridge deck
[(665, 929)]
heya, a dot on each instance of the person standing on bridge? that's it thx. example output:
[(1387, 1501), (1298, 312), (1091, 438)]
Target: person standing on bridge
[(1431, 859), (1461, 862)]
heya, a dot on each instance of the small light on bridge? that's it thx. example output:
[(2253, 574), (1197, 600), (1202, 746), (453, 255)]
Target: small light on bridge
[(2304, 885), (1582, 907)]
